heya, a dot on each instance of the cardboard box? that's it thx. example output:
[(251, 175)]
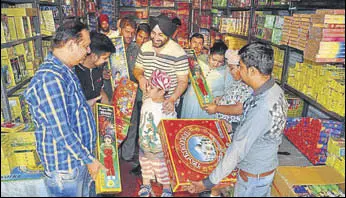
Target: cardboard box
[(192, 149), (288, 176), (107, 152), (123, 100)]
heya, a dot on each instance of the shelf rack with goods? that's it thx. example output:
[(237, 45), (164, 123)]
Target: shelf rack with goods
[(290, 8), (38, 41)]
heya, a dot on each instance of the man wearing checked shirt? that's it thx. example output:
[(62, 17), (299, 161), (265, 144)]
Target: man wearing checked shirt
[(65, 126)]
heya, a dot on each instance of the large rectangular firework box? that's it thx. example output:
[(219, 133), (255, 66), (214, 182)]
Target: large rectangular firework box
[(107, 152), (192, 149), (198, 81)]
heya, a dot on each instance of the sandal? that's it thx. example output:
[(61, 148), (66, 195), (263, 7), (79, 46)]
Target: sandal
[(144, 191), (167, 193)]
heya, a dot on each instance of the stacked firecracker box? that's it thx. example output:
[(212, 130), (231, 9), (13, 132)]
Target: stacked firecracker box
[(278, 63), (322, 83), (311, 136), (326, 41), (234, 43), (238, 23), (336, 154), (269, 27)]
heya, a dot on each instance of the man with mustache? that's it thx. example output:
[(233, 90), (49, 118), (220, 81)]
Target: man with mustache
[(164, 54)]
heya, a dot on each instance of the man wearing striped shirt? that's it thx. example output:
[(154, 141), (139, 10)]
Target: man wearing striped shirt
[(65, 127), (164, 54)]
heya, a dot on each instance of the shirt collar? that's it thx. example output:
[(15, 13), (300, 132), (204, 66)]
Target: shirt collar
[(266, 86)]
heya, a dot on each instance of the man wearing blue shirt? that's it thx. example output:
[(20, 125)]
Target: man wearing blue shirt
[(256, 141), (65, 127)]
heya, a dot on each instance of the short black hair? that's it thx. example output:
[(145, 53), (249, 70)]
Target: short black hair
[(100, 44), (69, 30), (144, 27), (219, 47), (258, 55), (128, 21), (197, 35), (176, 21)]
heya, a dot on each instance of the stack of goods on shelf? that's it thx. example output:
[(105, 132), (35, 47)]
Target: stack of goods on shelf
[(269, 27), (239, 3), (19, 159), (295, 57), (137, 3), (202, 4), (192, 149), (323, 83), (162, 3), (81, 7), (309, 181), (285, 37), (326, 41), (295, 106), (238, 23), (17, 23), (15, 65), (272, 2), (183, 13), (331, 190), (108, 8), (140, 13), (278, 63), (336, 154), (68, 8), (47, 25), (219, 3), (216, 17), (234, 43), (202, 20), (106, 150), (311, 136), (19, 107), (46, 47), (295, 30)]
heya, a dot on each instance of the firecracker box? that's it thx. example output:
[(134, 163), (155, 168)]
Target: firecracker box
[(118, 62), (107, 152), (336, 146), (288, 177), (198, 81), (123, 100), (11, 127), (311, 136), (338, 163), (193, 149), (18, 150)]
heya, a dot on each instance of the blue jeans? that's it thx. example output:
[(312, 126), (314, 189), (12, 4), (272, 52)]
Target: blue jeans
[(254, 187), (69, 184)]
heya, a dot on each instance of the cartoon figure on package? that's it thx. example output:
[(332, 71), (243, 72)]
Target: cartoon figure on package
[(108, 154)]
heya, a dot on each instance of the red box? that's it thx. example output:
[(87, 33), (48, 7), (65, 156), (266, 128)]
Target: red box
[(192, 150), (123, 100)]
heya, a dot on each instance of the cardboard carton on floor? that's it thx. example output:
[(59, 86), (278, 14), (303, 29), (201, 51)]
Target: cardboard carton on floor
[(288, 176)]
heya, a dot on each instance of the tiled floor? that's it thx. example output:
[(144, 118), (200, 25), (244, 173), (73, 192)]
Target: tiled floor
[(296, 158)]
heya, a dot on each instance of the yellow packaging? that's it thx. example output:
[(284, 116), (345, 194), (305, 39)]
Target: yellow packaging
[(288, 176)]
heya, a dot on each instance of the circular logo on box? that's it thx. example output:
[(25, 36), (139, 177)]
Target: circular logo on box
[(198, 148)]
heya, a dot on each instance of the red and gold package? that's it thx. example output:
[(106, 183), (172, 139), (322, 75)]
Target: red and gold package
[(123, 100), (192, 149)]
